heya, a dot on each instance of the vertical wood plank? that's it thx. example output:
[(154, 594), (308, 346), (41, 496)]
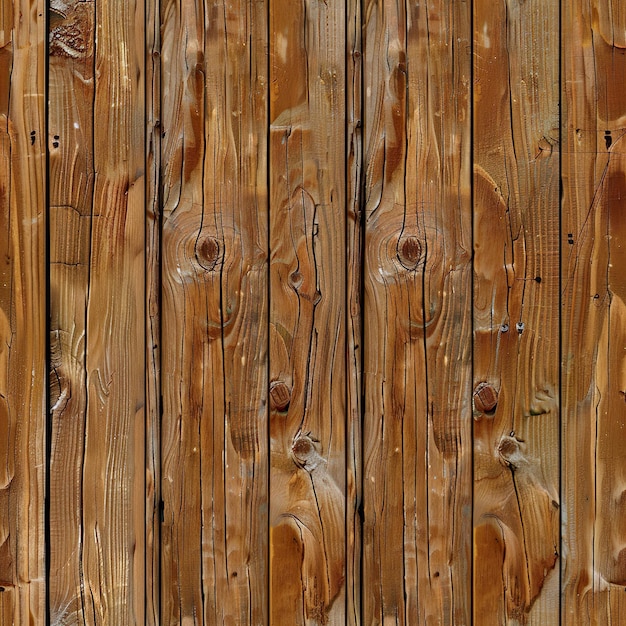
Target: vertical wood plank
[(594, 316), (516, 312), (71, 94), (417, 318), (97, 160), (308, 383), (153, 312), (22, 311), (354, 276), (214, 313)]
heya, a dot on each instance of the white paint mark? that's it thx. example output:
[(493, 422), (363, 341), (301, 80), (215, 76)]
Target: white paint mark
[(281, 46), (486, 38)]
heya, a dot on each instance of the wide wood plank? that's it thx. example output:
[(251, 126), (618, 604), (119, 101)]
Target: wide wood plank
[(516, 312), (97, 161), (22, 311), (593, 245), (417, 314), (214, 315), (308, 382)]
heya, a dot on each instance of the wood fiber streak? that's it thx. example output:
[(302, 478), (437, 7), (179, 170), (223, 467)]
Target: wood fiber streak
[(308, 343), (516, 313), (417, 314), (97, 162), (593, 245), (22, 311), (214, 314)]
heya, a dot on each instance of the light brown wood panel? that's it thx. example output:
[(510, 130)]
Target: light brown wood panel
[(22, 311), (417, 314), (97, 163), (516, 312), (594, 316), (214, 313), (308, 343)]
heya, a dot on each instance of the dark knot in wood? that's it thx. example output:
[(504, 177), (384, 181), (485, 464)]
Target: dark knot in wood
[(409, 252), (485, 398), (280, 395), (208, 252)]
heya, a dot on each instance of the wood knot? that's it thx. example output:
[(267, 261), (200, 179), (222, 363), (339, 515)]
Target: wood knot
[(295, 279), (409, 252), (305, 453), (208, 252), (485, 398), (510, 452), (280, 395)]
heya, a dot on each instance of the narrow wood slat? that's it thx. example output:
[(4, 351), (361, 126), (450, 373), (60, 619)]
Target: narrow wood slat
[(308, 382), (97, 164), (593, 245), (354, 277), (153, 313), (22, 311), (214, 313), (516, 312), (417, 319)]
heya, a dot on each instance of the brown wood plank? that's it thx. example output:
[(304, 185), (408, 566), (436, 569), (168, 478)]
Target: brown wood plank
[(22, 311), (594, 316), (308, 343), (417, 317), (153, 313), (354, 258), (97, 163), (516, 312), (214, 312), (72, 174)]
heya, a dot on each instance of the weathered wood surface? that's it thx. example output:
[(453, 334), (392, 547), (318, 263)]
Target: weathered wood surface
[(97, 202), (214, 314), (307, 312), (22, 311), (325, 347), (593, 256), (417, 314), (516, 312)]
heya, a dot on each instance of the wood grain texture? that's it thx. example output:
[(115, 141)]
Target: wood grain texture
[(97, 161), (417, 314), (22, 311), (214, 313), (516, 312), (594, 316), (307, 312)]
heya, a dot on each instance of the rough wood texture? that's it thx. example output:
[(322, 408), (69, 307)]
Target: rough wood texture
[(22, 311), (516, 313), (214, 313), (308, 312), (97, 161), (593, 246), (417, 314)]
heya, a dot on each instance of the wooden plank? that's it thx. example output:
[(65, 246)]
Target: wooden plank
[(97, 161), (308, 312), (153, 313), (516, 312), (22, 311), (214, 313), (354, 328), (594, 316), (417, 319)]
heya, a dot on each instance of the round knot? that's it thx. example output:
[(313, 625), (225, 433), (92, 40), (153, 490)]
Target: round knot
[(280, 395), (208, 252), (409, 252)]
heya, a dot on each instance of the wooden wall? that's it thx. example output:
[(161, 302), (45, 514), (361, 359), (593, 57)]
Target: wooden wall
[(332, 299)]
